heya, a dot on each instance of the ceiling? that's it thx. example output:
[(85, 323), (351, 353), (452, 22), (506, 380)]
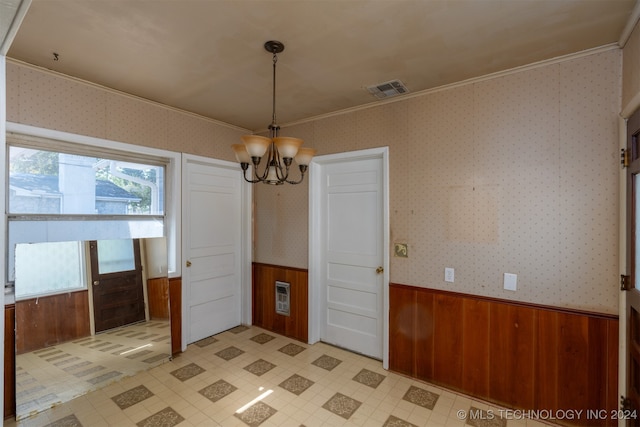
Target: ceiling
[(207, 56)]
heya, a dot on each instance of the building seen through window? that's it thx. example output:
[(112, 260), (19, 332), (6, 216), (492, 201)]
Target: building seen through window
[(50, 183)]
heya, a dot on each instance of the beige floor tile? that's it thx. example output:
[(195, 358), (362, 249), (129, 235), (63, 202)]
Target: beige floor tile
[(97, 408)]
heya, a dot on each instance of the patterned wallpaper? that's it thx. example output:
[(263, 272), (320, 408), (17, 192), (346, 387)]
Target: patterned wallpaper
[(630, 67), (47, 100), (515, 174)]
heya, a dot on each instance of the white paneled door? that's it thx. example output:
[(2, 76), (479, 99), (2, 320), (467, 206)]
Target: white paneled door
[(353, 257), (212, 252)]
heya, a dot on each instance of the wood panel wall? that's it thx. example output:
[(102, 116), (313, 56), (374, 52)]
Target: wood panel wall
[(158, 295), (516, 355), (175, 290), (175, 309), (46, 321), (264, 313), (9, 361)]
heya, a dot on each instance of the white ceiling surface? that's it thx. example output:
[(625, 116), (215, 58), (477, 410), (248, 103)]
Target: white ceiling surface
[(207, 56)]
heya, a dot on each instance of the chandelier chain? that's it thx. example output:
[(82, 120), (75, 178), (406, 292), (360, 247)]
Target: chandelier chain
[(273, 120), (279, 152)]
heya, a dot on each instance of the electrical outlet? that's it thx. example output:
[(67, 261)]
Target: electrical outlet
[(510, 281), (449, 274)]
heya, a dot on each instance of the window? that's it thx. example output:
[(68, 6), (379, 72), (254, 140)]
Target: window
[(115, 256), (54, 182), (60, 268), (64, 187)]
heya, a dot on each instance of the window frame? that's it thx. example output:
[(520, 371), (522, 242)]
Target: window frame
[(52, 140)]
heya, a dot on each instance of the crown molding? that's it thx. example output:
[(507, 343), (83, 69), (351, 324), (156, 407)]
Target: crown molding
[(124, 94), (498, 74)]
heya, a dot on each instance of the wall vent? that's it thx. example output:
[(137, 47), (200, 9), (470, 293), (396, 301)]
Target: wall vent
[(388, 89), (283, 299)]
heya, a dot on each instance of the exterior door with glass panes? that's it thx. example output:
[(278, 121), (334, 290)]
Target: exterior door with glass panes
[(116, 283)]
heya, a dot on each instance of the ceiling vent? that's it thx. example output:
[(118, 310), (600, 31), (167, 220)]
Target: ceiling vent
[(388, 89)]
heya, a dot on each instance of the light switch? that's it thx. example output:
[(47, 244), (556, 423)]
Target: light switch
[(401, 250), (449, 274), (510, 281)]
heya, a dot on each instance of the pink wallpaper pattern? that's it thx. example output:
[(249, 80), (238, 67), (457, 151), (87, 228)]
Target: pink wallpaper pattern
[(515, 174), (630, 67), (47, 100)]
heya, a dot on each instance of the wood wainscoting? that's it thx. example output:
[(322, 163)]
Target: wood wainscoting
[(517, 355), (175, 295), (46, 321), (264, 312), (175, 313), (9, 361), (158, 297)]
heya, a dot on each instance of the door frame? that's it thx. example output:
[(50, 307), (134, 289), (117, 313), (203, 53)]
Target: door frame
[(245, 244), (623, 242), (317, 249), (626, 261)]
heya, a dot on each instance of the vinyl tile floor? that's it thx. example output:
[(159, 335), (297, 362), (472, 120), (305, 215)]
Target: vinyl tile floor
[(60, 373), (248, 376)]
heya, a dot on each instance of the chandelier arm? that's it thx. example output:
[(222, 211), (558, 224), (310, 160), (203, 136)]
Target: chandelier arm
[(280, 173), (263, 176), (270, 157), (258, 177), (303, 169), (256, 163), (244, 167)]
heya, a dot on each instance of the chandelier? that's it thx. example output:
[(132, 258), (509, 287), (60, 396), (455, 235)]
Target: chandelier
[(280, 151)]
